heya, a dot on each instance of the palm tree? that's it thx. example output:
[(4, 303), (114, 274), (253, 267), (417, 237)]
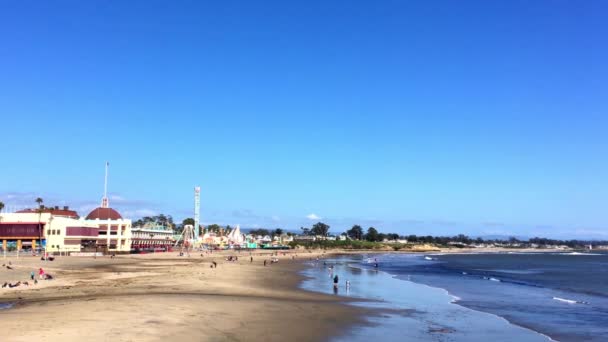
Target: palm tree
[(1, 207), (39, 200)]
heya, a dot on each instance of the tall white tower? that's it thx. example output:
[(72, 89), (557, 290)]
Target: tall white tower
[(104, 200), (197, 210)]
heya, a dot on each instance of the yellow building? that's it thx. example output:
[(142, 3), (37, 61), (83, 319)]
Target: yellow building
[(114, 231), (50, 229)]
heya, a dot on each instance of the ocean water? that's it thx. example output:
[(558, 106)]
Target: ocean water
[(408, 311), (474, 297), (562, 295)]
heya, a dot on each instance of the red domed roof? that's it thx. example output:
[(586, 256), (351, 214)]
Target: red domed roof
[(104, 214)]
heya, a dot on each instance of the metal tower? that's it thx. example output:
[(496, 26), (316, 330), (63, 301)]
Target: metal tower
[(197, 211), (104, 200)]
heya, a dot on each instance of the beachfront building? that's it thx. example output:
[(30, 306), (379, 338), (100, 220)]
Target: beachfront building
[(282, 239), (114, 231), (304, 238), (152, 236), (50, 229)]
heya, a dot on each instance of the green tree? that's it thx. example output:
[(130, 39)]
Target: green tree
[(189, 221), (212, 227), (39, 201), (355, 233), (372, 235), (392, 236), (305, 231), (278, 232), (161, 219), (259, 231), (320, 228)]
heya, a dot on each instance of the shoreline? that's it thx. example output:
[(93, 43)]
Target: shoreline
[(451, 299), (455, 300), (546, 332)]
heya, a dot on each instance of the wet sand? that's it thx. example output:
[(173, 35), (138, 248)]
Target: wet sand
[(157, 297)]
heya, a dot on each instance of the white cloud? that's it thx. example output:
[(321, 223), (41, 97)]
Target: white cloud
[(117, 198), (275, 218), (245, 213), (313, 217), (139, 213)]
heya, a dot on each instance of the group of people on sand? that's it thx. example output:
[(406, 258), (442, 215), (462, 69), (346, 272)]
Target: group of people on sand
[(17, 284), (42, 275), (233, 258), (336, 279)]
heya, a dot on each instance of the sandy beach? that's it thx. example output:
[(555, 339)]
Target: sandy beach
[(154, 297)]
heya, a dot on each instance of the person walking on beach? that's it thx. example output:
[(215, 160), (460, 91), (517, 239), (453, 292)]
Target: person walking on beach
[(32, 275), (251, 260), (41, 273), (336, 281), (264, 262)]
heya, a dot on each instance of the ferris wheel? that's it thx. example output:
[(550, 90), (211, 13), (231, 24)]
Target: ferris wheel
[(187, 239)]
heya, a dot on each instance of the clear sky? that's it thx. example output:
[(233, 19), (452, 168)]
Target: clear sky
[(424, 117)]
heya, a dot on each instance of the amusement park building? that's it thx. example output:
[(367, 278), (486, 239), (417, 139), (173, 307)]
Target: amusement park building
[(53, 229), (152, 237), (114, 231)]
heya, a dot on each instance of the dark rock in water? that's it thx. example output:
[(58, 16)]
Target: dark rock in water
[(441, 330)]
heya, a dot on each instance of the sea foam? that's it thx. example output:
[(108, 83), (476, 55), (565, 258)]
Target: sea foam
[(570, 301)]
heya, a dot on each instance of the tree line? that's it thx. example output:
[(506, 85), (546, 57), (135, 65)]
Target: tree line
[(355, 233), (372, 234), (161, 220)]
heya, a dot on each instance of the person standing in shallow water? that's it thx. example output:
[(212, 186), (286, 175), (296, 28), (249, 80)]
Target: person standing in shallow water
[(336, 281)]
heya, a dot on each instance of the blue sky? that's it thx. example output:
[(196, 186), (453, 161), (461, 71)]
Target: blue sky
[(421, 117)]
